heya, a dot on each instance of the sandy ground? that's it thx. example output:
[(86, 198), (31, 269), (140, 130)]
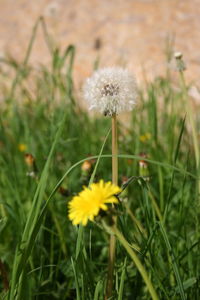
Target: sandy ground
[(131, 33)]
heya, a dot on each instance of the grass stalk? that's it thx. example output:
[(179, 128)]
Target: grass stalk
[(137, 262), (191, 118), (194, 130)]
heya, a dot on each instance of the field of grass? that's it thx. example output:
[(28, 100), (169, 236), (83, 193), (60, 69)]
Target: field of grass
[(42, 255)]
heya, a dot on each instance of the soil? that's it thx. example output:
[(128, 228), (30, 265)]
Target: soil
[(133, 33)]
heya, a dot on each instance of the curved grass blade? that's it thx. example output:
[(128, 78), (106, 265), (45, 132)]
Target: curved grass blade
[(173, 173)]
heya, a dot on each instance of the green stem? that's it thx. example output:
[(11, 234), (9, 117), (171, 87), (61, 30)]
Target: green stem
[(193, 127), (114, 151), (112, 245), (137, 262)]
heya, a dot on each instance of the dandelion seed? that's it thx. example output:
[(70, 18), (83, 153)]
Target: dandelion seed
[(88, 203), (110, 91), (30, 174)]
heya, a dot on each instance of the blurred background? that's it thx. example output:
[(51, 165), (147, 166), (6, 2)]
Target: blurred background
[(138, 34)]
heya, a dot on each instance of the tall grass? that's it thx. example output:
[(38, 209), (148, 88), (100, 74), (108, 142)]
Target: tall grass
[(42, 256)]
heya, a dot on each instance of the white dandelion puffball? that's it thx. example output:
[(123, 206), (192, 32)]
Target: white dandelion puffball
[(111, 91)]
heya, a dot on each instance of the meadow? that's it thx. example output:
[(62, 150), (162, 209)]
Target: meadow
[(50, 147)]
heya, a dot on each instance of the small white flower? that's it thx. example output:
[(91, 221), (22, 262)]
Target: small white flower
[(177, 63), (178, 55), (52, 9), (111, 90)]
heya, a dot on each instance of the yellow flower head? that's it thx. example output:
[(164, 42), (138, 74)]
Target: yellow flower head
[(87, 204), (22, 147), (144, 138)]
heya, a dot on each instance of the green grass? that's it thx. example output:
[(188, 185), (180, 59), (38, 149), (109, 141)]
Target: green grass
[(42, 255)]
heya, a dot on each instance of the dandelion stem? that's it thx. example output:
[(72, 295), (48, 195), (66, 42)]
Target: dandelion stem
[(114, 151), (112, 245)]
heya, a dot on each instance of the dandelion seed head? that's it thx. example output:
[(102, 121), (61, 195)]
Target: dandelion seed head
[(111, 90)]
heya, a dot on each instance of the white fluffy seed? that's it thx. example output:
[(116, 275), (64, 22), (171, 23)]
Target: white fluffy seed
[(111, 90)]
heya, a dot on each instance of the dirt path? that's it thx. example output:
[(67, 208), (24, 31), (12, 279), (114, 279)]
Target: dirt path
[(132, 33)]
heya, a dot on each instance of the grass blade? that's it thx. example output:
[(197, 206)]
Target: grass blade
[(121, 287), (174, 263), (31, 227)]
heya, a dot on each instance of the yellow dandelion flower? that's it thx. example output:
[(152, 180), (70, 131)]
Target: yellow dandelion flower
[(144, 138), (87, 204), (22, 147)]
